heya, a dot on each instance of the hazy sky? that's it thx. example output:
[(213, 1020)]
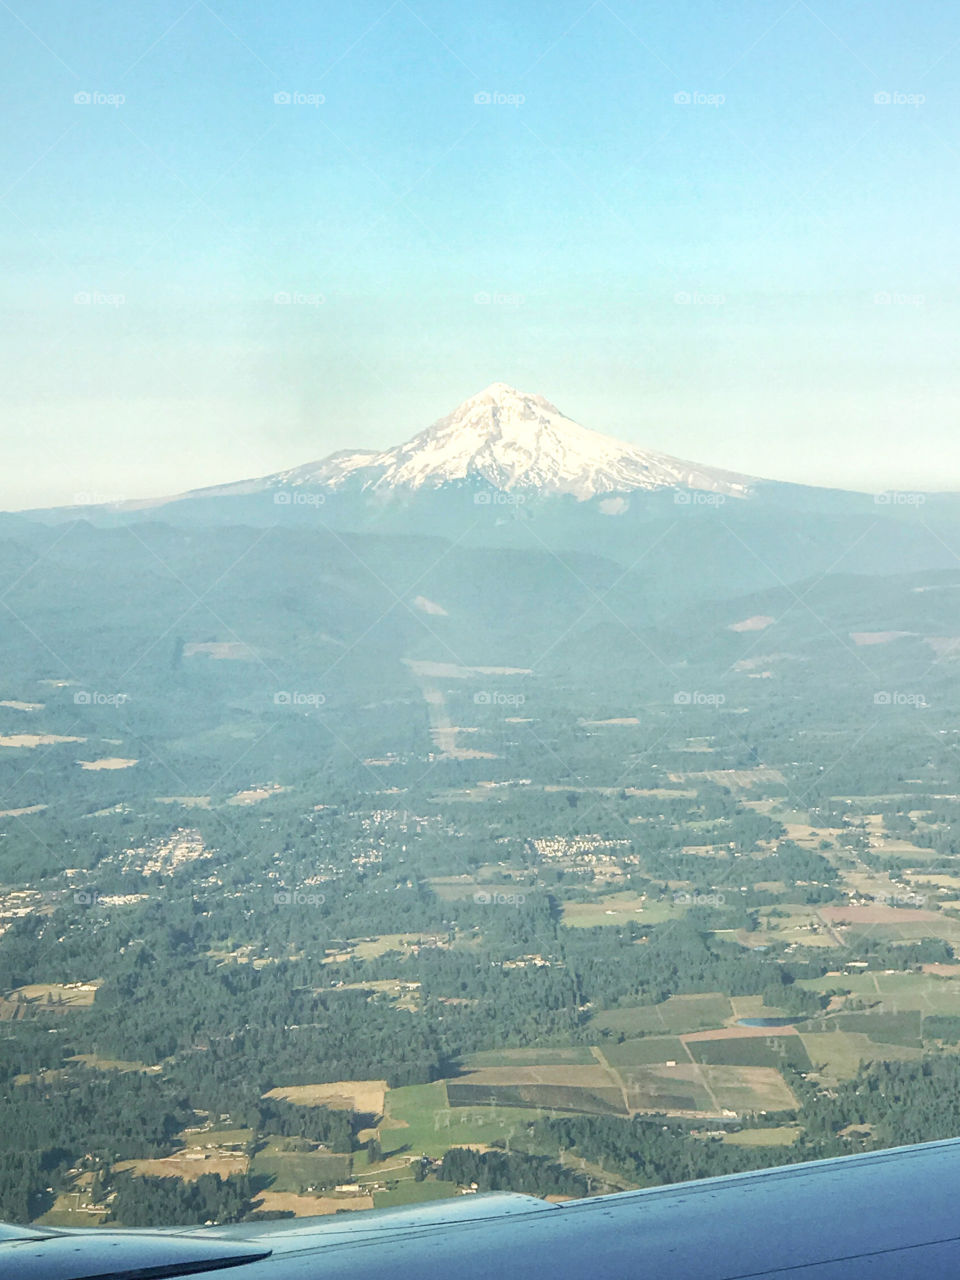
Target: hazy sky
[(762, 277)]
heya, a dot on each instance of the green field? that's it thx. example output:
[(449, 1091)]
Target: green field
[(66, 1214), (897, 991), (646, 1051), (420, 1121), (618, 909), (839, 1053), (882, 1027), (409, 1191), (897, 1001), (753, 1051), (293, 1170), (674, 1016)]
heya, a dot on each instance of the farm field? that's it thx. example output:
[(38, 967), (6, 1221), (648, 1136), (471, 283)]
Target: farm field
[(943, 926), (838, 1055), (363, 1096), (66, 1212), (187, 1165), (781, 1136), (420, 1121), (677, 1090), (97, 1063), (741, 1089), (374, 947), (754, 1007), (590, 1090), (740, 778), (309, 1206), (618, 908), (409, 1191), (674, 1016), (896, 992), (921, 880), (752, 1051), (73, 995), (296, 1171), (880, 1026), (454, 888), (694, 1089), (645, 1051)]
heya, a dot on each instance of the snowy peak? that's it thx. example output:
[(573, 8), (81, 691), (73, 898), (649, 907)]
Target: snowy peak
[(503, 436), (515, 440)]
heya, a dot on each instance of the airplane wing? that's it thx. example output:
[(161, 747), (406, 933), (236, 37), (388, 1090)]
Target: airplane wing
[(882, 1215)]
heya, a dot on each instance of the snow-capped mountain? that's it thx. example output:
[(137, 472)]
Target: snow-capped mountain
[(513, 440), (507, 470), (501, 439)]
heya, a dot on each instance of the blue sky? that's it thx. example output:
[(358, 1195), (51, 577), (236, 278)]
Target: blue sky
[(762, 277)]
